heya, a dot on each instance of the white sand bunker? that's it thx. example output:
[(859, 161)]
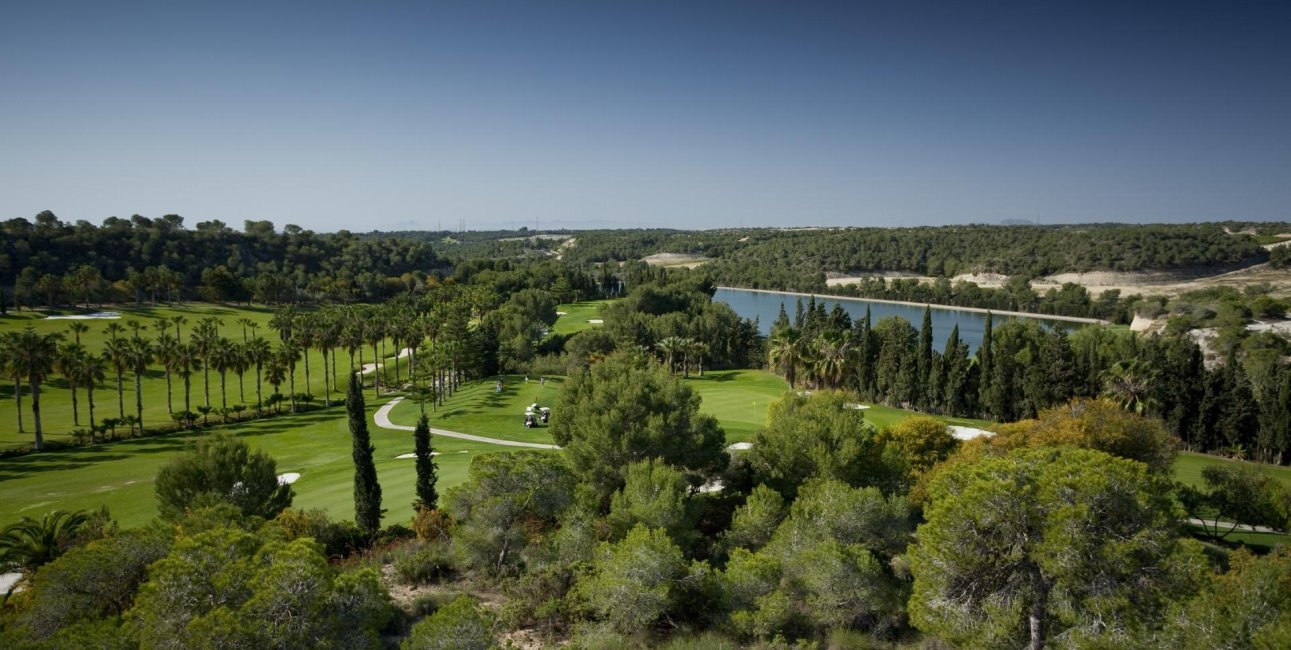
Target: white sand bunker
[(968, 433), (288, 478), (562, 313), (595, 321), (433, 453), (856, 407), (105, 315), (740, 446)]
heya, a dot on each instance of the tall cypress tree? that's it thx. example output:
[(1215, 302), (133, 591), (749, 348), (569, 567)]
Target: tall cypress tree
[(923, 362), (427, 498), (367, 492), (987, 373)]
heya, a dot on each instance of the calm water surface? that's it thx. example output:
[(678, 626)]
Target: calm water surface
[(765, 306)]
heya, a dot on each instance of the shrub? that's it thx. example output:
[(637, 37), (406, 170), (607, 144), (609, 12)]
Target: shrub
[(424, 564)]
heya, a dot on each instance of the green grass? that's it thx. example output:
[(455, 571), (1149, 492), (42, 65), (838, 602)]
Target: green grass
[(56, 401), (479, 409), (575, 316), (1188, 466), (737, 398), (316, 445)]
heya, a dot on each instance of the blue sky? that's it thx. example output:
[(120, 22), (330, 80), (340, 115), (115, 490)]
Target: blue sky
[(422, 115)]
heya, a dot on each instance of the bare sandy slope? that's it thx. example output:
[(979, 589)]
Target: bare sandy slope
[(676, 260), (1167, 283)]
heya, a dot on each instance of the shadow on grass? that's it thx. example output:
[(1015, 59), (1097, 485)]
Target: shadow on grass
[(718, 376), (85, 457)]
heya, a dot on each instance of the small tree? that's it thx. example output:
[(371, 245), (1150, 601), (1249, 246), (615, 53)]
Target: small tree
[(427, 497), (1045, 542), (221, 469), (367, 491), (460, 625)]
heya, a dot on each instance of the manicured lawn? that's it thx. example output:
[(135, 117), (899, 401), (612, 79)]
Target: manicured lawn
[(575, 316), (316, 445), (737, 398), (1188, 466), (56, 401), (479, 409)]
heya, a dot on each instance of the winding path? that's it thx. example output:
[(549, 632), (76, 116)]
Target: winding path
[(382, 418)]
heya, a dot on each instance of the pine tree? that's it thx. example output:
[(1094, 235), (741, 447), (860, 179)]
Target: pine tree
[(427, 498), (367, 492)]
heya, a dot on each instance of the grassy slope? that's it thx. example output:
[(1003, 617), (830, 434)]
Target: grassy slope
[(56, 401), (316, 445), (576, 315), (1188, 466)]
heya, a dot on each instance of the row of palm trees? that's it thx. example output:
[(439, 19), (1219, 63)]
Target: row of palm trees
[(431, 332), (683, 352), (821, 361)]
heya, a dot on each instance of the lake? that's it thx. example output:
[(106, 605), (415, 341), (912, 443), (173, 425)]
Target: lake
[(765, 306)]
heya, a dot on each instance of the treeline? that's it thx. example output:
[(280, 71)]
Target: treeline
[(798, 260), (49, 262), (665, 313), (1017, 295), (1022, 368)]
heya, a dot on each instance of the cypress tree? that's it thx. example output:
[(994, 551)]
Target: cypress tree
[(427, 498), (984, 362), (923, 362), (367, 492)]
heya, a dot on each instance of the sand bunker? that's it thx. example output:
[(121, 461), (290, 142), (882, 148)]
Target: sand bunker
[(740, 446), (968, 433), (433, 453), (595, 321), (288, 478), (100, 315)]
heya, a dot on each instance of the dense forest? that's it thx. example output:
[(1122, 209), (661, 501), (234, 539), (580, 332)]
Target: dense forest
[(644, 530), (49, 262)]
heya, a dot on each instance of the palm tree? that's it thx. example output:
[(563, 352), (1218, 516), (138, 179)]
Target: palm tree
[(258, 352), (185, 362), (831, 358), (67, 363), (785, 354), (240, 366), (32, 356), (177, 321), (32, 543), (12, 370), (117, 352), (77, 328), (1130, 384), (304, 338), (222, 359), (289, 352), (206, 336), (167, 347), (275, 372), (89, 372), (139, 356), (326, 337), (671, 346), (698, 350)]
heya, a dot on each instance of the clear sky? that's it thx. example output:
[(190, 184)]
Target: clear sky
[(421, 115)]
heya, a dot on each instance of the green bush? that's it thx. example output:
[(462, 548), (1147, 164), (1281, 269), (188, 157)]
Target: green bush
[(424, 563)]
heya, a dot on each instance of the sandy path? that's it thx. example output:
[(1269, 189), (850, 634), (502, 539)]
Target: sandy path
[(382, 418)]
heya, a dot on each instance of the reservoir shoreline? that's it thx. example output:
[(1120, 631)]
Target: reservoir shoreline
[(906, 303)]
